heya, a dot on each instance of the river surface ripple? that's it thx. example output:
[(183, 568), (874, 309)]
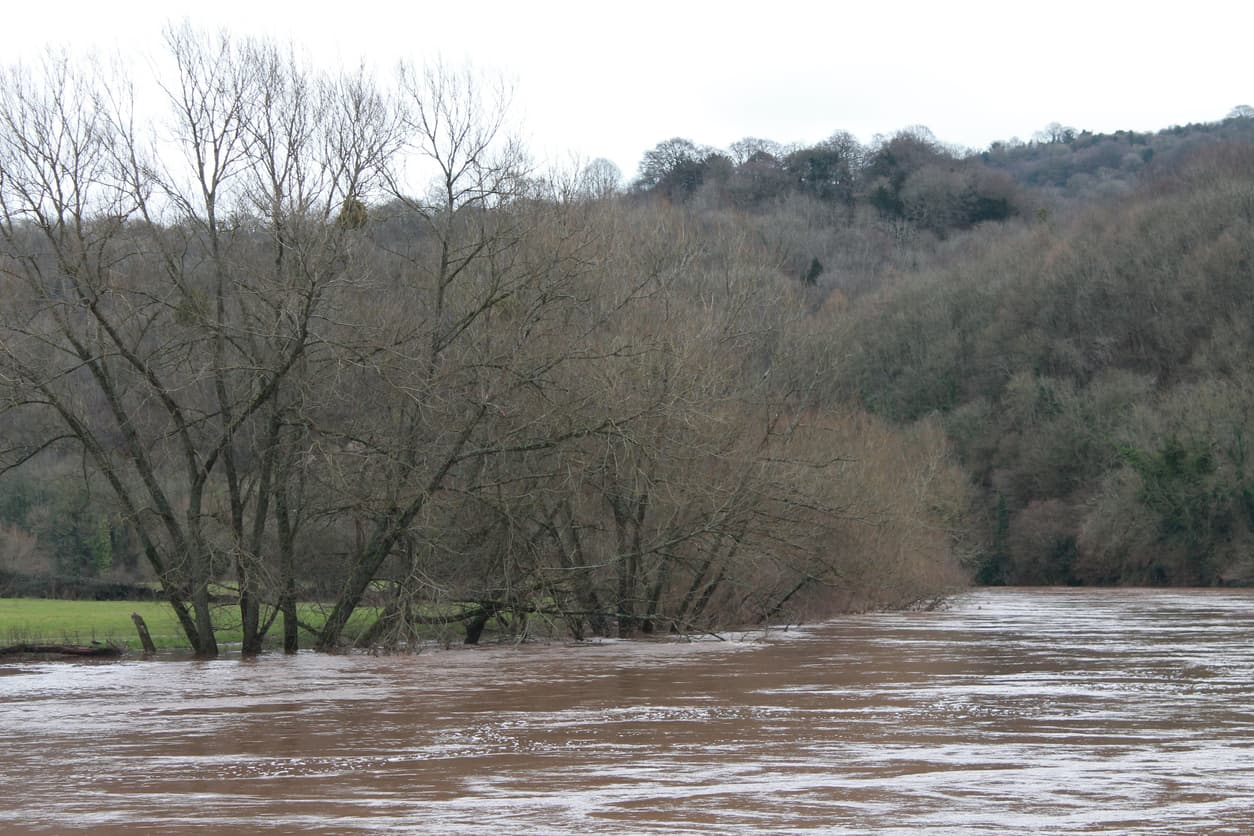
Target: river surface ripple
[(1012, 711)]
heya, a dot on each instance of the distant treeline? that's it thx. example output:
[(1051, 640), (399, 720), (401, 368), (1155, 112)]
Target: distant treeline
[(913, 176)]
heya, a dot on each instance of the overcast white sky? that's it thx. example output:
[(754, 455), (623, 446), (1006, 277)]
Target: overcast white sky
[(613, 79)]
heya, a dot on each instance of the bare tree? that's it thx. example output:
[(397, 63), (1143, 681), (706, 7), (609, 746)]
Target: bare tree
[(468, 346), (147, 281), (77, 340), (316, 146), (600, 179)]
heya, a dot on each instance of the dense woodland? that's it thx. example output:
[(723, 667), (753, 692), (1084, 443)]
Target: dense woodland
[(1075, 311), (335, 338)]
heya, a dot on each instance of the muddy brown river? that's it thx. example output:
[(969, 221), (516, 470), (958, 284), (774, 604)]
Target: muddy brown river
[(1013, 711)]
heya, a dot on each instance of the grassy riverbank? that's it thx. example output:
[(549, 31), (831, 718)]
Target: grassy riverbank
[(82, 622)]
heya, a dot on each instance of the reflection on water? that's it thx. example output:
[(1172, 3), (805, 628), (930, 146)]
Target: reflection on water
[(1045, 711)]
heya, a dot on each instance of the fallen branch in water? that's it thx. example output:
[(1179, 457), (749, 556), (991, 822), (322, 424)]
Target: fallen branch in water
[(95, 649)]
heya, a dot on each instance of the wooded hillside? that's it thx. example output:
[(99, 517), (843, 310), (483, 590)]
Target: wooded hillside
[(1075, 310)]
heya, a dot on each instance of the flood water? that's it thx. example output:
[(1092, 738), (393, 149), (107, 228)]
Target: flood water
[(1013, 711)]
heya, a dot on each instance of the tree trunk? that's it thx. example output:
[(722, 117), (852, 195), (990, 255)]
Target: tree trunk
[(287, 569), (145, 638)]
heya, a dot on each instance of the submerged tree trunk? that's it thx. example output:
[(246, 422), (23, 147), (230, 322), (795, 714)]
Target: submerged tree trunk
[(477, 622), (287, 568), (628, 525)]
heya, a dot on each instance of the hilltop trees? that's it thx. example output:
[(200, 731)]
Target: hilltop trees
[(908, 177), (827, 171), (675, 168)]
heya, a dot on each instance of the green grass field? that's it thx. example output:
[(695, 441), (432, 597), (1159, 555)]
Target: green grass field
[(82, 622)]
